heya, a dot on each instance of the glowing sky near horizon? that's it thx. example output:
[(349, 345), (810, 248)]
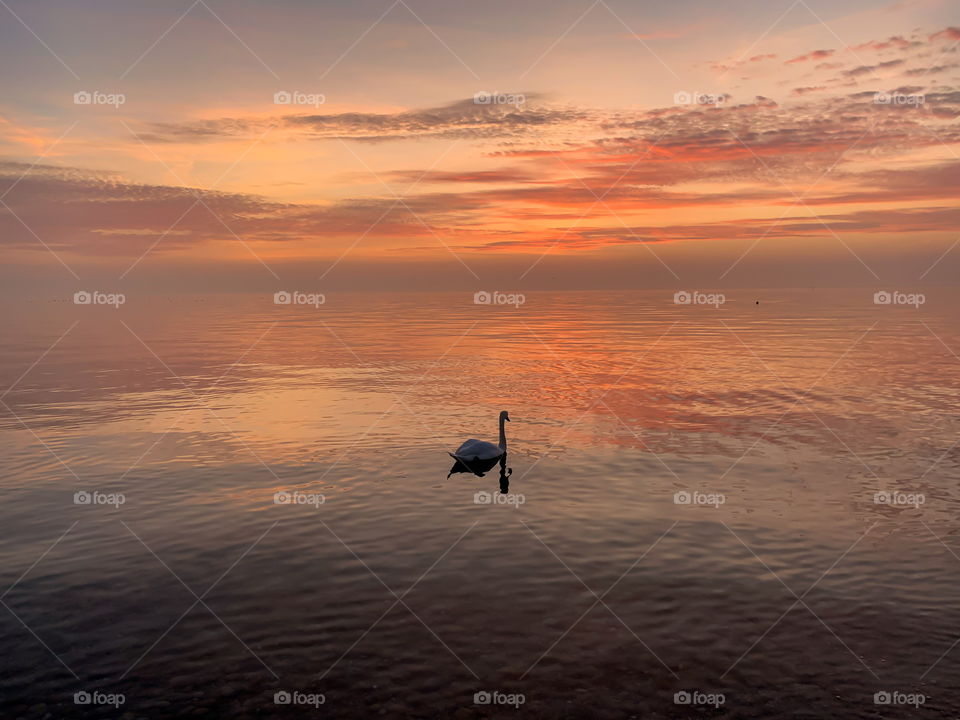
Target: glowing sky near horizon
[(747, 133)]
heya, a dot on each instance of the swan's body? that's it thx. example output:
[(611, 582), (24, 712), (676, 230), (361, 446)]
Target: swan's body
[(477, 450), (478, 456)]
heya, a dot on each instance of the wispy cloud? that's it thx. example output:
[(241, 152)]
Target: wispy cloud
[(461, 119), (815, 55)]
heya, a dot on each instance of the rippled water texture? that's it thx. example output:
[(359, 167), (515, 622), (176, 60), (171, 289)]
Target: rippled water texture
[(693, 505)]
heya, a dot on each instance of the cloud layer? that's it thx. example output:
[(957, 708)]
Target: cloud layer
[(863, 147)]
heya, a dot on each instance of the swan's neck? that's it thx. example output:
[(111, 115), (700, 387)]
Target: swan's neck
[(503, 435)]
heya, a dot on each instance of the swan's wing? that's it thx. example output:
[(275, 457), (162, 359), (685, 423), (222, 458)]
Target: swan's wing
[(478, 449), (467, 446)]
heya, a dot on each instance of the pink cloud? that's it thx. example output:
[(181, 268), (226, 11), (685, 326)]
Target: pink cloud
[(897, 41), (815, 55), (950, 33)]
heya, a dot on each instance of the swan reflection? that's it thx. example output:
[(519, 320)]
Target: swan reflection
[(479, 457)]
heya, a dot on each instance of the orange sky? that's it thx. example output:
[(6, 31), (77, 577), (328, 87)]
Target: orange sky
[(718, 142)]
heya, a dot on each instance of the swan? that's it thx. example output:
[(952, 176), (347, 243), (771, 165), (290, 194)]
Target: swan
[(478, 456)]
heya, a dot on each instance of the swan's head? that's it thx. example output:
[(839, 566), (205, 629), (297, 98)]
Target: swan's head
[(504, 415)]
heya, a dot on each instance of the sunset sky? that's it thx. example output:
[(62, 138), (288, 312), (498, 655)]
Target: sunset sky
[(631, 144)]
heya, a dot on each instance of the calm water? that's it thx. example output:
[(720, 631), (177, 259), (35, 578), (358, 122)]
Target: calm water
[(592, 589)]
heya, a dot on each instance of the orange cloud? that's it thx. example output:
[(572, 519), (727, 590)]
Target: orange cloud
[(815, 55)]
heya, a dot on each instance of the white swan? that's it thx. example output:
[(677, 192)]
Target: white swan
[(478, 456)]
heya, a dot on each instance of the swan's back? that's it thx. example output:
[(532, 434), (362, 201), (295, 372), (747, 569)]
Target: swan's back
[(479, 449)]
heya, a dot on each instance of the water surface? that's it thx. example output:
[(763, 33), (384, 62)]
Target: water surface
[(596, 590)]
